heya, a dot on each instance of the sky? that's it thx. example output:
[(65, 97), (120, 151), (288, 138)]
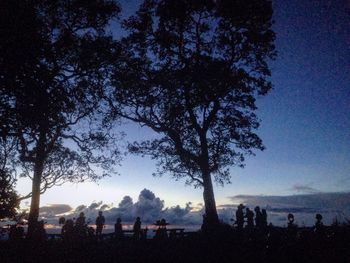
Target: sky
[(305, 124)]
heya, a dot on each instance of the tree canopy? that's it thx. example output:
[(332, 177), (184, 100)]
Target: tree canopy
[(53, 67), (191, 71)]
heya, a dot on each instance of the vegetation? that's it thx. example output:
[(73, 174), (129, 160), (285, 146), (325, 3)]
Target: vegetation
[(191, 71), (9, 200), (53, 69)]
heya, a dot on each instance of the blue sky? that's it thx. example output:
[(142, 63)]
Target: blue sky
[(305, 121)]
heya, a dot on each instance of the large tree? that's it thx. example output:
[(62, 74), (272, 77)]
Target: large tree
[(191, 71), (53, 66)]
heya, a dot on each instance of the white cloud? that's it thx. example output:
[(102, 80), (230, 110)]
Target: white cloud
[(151, 208)]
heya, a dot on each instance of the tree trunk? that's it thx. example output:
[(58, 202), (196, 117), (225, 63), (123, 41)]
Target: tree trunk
[(211, 218), (36, 183), (35, 201)]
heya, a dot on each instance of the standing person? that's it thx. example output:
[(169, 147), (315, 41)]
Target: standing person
[(118, 229), (67, 231), (258, 217), (249, 214), (240, 216), (80, 226), (319, 227), (100, 222), (264, 218), (137, 228), (292, 229), (80, 222)]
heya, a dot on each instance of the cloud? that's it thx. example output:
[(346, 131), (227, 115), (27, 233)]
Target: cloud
[(95, 205), (148, 206), (54, 209), (80, 208), (305, 206), (50, 213), (151, 208), (104, 207), (306, 189)]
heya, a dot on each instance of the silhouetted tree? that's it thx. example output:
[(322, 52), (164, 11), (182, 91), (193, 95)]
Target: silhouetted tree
[(53, 66), (191, 72), (9, 199)]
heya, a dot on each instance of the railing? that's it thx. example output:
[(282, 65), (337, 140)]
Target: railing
[(171, 233)]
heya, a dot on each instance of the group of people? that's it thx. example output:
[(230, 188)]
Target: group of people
[(248, 217), (80, 228), (138, 232)]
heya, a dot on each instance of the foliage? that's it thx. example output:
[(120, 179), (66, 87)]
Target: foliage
[(191, 72), (53, 67), (9, 200)]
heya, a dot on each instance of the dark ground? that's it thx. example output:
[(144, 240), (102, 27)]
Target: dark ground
[(228, 246)]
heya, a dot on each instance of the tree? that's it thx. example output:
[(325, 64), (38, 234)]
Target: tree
[(53, 66), (191, 71), (9, 200)]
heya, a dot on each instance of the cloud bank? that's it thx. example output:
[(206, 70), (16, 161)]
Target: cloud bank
[(304, 206), (151, 208)]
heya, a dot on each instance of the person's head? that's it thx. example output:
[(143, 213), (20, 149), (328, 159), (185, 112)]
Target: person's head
[(119, 220), (138, 218), (257, 208), (100, 213), (290, 217), (241, 206), (318, 217)]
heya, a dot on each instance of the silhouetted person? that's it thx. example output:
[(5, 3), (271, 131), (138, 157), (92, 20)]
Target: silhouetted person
[(67, 231), (290, 220), (250, 217), (161, 231), (263, 218), (80, 226), (137, 228), (292, 228), (319, 227), (240, 216), (318, 224), (100, 222), (258, 217), (80, 222), (118, 229)]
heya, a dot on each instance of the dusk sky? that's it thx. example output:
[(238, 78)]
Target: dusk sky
[(305, 121)]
